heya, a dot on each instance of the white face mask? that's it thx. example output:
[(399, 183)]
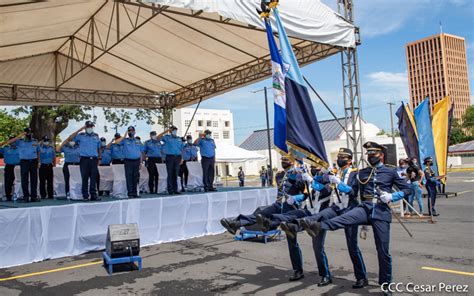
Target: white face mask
[(89, 130), (72, 143), (174, 132), (45, 143), (153, 137), (190, 141)]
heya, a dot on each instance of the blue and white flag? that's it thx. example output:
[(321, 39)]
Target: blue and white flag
[(303, 135), (279, 121)]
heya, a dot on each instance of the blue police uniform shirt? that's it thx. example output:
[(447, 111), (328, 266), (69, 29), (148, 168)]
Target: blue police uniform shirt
[(116, 151), (189, 152), (11, 155), (106, 156), (207, 147), (153, 148), (46, 154), (172, 145), (132, 148), (28, 149), (88, 144), (71, 154)]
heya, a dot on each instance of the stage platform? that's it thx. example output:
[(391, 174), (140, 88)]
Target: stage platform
[(49, 229)]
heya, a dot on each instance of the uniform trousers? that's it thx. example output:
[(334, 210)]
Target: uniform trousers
[(46, 180), (153, 173), (207, 164), (9, 180), (89, 173), (29, 178), (67, 175), (172, 168), (132, 168)]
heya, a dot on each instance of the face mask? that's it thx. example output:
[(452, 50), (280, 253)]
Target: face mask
[(190, 141), (285, 165), (72, 144), (342, 162), (131, 134), (208, 136), (28, 136), (153, 137), (103, 144), (314, 171), (174, 132), (373, 160), (89, 130), (46, 143)]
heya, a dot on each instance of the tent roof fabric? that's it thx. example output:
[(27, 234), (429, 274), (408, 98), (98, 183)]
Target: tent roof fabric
[(230, 154), (164, 46)]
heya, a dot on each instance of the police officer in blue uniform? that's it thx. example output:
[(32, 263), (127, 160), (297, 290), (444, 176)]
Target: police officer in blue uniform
[(11, 158), (28, 151), (89, 144), (189, 154), (173, 148), (133, 155), (47, 161), (105, 160), (207, 148), (153, 156), (343, 199), (374, 184), (116, 150), (71, 157), (432, 182)]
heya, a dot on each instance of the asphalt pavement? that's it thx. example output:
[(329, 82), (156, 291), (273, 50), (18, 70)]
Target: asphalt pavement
[(440, 255)]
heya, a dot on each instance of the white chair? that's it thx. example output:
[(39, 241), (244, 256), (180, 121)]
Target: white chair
[(195, 175), (17, 184), (119, 189), (75, 183), (143, 183), (2, 178), (59, 184), (163, 179), (106, 178)]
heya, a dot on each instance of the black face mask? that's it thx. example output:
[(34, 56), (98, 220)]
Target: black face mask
[(285, 165), (131, 134), (342, 162), (28, 136), (314, 172), (373, 160)]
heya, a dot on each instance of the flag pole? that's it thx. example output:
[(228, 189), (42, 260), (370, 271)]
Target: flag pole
[(268, 134)]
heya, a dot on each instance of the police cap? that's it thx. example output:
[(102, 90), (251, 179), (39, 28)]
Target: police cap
[(27, 130), (103, 139), (345, 152), (189, 137), (429, 158), (45, 139), (152, 133), (207, 132), (89, 124), (374, 147)]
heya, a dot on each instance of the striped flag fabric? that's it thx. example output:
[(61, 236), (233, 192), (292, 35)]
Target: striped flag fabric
[(408, 134), (425, 133)]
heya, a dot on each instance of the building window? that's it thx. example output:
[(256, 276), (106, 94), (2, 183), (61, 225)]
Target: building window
[(215, 136), (208, 123), (226, 135), (200, 122), (214, 124), (187, 122), (227, 123)]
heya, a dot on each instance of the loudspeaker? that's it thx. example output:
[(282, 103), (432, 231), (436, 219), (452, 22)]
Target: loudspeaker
[(390, 156), (123, 240)]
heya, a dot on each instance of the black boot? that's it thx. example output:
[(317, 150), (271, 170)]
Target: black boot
[(312, 228), (360, 283), (230, 225), (263, 223), (297, 275), (290, 229), (324, 281)]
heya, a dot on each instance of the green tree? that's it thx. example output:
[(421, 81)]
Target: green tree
[(468, 121), (457, 133), (381, 132), (11, 125)]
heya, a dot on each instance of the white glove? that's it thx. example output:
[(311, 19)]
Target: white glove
[(334, 179), (307, 177), (386, 197), (290, 200)]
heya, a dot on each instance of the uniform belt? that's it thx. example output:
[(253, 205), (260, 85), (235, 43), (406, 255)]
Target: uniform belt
[(71, 163), (370, 198), (89, 157), (47, 164)]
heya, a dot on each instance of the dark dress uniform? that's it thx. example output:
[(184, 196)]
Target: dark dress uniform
[(132, 151), (431, 182), (47, 156), (71, 157), (11, 158), (28, 149), (89, 144), (153, 154)]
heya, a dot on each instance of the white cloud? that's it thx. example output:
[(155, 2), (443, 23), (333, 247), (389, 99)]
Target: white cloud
[(390, 79)]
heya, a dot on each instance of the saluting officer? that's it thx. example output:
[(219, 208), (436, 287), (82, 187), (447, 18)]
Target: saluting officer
[(71, 157), (207, 147), (89, 144), (173, 147), (28, 150), (47, 161), (189, 154), (133, 156), (153, 155), (374, 184), (11, 158), (116, 150)]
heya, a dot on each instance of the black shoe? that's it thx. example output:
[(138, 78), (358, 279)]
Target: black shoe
[(312, 228), (435, 214), (325, 281), (95, 198), (177, 193), (263, 222), (297, 275), (170, 192), (360, 283), (230, 225), (290, 229), (212, 189)]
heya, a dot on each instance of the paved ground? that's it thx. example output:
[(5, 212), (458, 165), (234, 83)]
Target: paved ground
[(219, 265)]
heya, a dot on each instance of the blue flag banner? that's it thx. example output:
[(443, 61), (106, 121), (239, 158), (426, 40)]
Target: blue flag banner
[(303, 135), (407, 132), (425, 133), (279, 120)]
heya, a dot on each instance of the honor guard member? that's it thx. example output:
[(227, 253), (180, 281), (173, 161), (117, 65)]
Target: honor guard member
[(431, 182), (105, 160), (89, 144), (342, 200), (11, 158), (28, 151), (173, 148), (133, 155), (153, 156), (71, 157), (207, 147), (116, 150), (47, 161), (189, 154), (374, 184)]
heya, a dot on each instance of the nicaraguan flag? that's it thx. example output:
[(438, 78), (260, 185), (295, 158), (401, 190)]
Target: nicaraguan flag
[(279, 121), (303, 136), (425, 133)]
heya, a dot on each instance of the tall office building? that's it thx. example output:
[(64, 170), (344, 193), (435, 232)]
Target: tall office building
[(437, 67)]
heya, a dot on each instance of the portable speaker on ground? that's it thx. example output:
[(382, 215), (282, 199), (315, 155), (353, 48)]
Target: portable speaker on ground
[(122, 240)]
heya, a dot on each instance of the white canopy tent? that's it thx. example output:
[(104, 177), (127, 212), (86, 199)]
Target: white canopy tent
[(226, 153), (123, 53)]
